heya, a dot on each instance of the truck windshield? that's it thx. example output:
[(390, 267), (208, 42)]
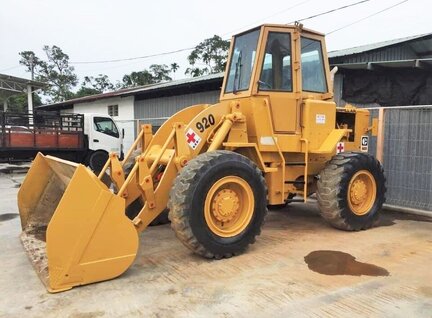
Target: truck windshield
[(242, 62), (106, 126)]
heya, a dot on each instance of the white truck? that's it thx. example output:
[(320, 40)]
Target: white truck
[(83, 138)]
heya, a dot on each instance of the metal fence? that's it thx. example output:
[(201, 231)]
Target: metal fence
[(406, 155)]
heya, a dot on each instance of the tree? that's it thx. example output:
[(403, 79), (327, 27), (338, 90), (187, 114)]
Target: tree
[(155, 74), (212, 53), (56, 71), (160, 72), (174, 68), (94, 85), (19, 103)]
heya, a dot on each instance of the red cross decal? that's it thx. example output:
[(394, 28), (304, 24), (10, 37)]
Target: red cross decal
[(340, 147), (191, 137)]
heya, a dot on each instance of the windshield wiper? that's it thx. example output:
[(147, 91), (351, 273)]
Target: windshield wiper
[(237, 73)]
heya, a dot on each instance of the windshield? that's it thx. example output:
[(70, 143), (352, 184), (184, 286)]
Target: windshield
[(242, 61), (106, 126)]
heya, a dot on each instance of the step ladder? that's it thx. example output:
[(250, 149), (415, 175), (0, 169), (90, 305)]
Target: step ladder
[(303, 183)]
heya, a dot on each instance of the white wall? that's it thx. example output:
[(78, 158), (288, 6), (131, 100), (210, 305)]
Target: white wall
[(124, 120)]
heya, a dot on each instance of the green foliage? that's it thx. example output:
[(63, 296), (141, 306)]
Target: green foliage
[(94, 85), (155, 74), (18, 103), (211, 53), (56, 71), (174, 67)]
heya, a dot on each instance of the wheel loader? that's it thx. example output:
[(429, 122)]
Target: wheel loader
[(275, 137)]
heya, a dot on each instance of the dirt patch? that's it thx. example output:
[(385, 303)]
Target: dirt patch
[(8, 216), (340, 263), (35, 248), (91, 314), (38, 233)]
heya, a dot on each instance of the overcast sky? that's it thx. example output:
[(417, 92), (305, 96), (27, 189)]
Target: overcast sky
[(92, 30)]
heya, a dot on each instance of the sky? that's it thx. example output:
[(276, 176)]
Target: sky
[(95, 30)]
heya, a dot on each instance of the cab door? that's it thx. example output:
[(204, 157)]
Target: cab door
[(276, 80)]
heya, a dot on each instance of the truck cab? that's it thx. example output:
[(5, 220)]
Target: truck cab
[(103, 136)]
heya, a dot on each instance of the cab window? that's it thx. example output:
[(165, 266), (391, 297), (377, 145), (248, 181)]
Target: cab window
[(242, 62), (312, 65), (276, 68), (105, 126)]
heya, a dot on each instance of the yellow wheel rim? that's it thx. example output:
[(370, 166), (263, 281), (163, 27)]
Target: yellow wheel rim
[(361, 192), (229, 206)]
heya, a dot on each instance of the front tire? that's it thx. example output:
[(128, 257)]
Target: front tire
[(218, 204), (351, 191)]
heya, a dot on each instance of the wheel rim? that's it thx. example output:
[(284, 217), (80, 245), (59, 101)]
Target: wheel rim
[(361, 192), (229, 206)]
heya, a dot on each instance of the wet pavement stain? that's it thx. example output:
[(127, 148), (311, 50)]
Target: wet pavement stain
[(410, 217), (390, 219), (14, 169), (8, 216), (340, 263)]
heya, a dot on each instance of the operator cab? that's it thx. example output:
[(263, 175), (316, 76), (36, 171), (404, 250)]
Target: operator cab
[(286, 63)]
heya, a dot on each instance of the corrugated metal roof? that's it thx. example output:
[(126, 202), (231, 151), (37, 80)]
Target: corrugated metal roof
[(412, 63), (176, 83), (137, 90), (374, 46), (21, 80)]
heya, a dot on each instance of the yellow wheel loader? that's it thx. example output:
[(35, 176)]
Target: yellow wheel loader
[(275, 137)]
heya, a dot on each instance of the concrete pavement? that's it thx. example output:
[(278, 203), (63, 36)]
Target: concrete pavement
[(382, 272)]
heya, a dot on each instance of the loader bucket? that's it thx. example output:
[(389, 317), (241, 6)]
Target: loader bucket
[(75, 231)]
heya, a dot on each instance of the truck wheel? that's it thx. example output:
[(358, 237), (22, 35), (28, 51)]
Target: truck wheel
[(96, 160), (351, 191), (218, 204)]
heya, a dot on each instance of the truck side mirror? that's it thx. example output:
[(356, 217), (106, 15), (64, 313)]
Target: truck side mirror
[(122, 133)]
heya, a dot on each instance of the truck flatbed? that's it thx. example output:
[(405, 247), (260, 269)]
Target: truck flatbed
[(24, 135)]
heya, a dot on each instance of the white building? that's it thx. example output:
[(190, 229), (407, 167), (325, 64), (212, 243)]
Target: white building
[(151, 103)]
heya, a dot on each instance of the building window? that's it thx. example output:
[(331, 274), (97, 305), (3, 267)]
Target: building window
[(113, 110)]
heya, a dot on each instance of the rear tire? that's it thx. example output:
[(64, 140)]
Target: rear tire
[(351, 191), (218, 204)]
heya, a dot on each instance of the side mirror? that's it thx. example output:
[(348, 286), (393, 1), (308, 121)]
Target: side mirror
[(122, 133)]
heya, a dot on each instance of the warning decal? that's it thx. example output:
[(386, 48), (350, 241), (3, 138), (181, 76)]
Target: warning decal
[(320, 118), (340, 147), (192, 138), (364, 143)]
